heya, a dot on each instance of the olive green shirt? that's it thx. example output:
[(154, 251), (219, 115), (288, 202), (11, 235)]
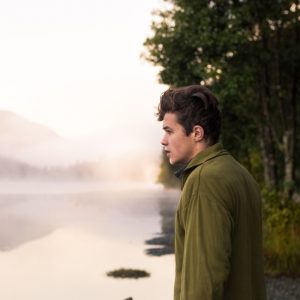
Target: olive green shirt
[(218, 232)]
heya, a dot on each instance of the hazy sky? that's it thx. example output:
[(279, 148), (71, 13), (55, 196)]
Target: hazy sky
[(74, 65)]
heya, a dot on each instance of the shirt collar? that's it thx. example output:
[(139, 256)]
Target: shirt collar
[(179, 170), (203, 156)]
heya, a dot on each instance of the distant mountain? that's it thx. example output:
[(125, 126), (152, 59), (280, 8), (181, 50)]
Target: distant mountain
[(16, 131), (33, 143)]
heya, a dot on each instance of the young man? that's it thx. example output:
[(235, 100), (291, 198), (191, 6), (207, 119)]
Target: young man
[(218, 232)]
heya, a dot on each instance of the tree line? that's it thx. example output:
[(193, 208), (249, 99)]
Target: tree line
[(83, 170)]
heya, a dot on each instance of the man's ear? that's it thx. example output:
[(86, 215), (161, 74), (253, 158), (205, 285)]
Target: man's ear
[(198, 132)]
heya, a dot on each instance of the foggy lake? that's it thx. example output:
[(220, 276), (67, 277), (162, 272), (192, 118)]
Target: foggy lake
[(57, 241)]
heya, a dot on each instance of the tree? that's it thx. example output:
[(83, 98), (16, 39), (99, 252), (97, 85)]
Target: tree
[(247, 51)]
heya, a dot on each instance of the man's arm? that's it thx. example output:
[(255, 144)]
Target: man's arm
[(207, 245)]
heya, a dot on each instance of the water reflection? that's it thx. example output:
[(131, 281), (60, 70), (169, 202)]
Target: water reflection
[(164, 240), (15, 231), (60, 246)]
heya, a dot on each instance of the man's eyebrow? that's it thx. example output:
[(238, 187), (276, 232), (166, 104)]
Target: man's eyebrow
[(167, 128)]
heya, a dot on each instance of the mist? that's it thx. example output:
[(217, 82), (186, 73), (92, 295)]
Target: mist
[(30, 150)]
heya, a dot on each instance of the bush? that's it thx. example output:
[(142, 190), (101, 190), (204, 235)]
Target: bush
[(281, 234)]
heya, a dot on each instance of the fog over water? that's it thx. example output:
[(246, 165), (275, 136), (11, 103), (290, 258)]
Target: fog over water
[(57, 241)]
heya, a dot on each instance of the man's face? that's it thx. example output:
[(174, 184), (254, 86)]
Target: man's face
[(178, 146)]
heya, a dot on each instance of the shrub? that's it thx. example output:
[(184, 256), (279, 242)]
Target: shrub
[(281, 234)]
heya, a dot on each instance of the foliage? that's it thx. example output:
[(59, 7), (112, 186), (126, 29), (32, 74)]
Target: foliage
[(281, 234), (248, 53)]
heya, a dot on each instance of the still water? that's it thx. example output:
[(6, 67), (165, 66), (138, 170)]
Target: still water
[(59, 243)]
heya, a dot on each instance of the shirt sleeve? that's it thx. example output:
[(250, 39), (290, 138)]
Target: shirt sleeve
[(208, 226)]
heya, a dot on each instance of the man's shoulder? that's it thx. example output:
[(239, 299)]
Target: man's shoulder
[(210, 172), (217, 166), (221, 170)]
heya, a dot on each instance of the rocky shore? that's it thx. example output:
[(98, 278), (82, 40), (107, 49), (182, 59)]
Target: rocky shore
[(283, 288)]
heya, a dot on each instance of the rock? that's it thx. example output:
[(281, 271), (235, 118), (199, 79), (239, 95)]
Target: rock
[(283, 288), (128, 273)]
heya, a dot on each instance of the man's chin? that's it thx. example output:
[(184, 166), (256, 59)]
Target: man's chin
[(172, 161)]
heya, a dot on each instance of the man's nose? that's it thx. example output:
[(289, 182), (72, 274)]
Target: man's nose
[(164, 141)]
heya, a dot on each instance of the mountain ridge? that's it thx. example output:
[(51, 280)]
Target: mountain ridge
[(23, 132), (31, 142)]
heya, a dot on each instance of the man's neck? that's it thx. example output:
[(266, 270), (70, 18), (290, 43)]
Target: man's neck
[(199, 147)]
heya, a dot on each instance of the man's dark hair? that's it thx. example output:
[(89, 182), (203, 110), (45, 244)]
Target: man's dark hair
[(193, 105)]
